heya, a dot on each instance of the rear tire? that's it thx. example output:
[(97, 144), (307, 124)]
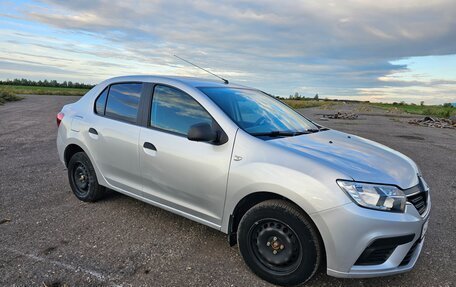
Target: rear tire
[(83, 179), (279, 243)]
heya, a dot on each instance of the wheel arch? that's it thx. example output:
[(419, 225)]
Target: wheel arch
[(76, 146), (253, 199), (70, 150)]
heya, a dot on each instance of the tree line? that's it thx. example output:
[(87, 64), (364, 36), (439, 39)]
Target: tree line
[(300, 97), (45, 83)]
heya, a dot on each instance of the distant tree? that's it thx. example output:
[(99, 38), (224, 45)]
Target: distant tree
[(44, 83), (422, 103), (447, 105), (316, 97), (296, 96)]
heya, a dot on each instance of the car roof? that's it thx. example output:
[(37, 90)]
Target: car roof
[(190, 81)]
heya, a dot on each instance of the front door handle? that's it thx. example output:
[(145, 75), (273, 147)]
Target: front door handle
[(93, 131), (150, 146)]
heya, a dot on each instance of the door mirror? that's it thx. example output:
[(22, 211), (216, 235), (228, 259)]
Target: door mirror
[(202, 132)]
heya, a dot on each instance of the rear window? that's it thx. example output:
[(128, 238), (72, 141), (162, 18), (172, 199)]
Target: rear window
[(123, 101)]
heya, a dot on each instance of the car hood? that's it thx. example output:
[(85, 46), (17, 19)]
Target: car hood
[(358, 158)]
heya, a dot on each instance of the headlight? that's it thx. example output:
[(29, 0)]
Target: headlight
[(375, 196)]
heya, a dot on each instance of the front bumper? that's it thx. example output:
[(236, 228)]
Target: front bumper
[(349, 229)]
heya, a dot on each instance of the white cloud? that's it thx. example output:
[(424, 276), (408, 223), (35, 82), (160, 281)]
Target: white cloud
[(333, 48)]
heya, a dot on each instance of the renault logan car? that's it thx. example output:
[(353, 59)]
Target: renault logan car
[(291, 193)]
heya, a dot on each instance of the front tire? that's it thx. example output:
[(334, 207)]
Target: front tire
[(83, 179), (279, 243)]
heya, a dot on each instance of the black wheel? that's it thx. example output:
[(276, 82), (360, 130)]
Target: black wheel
[(83, 180), (279, 243)]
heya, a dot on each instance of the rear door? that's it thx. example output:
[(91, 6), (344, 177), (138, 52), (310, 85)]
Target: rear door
[(114, 134), (184, 175)]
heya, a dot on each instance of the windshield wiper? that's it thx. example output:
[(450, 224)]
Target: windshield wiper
[(279, 134), (317, 130)]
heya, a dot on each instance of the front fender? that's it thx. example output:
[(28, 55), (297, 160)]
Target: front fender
[(310, 193)]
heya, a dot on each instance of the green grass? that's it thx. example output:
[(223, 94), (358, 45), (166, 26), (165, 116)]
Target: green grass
[(7, 96), (301, 104), (436, 111), (32, 90)]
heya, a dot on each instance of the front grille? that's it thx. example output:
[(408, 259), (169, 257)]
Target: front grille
[(419, 200), (409, 255), (381, 249), (418, 195)]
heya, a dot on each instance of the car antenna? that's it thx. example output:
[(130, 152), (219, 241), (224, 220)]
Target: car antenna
[(224, 80)]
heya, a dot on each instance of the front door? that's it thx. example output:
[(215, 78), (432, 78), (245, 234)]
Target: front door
[(188, 176)]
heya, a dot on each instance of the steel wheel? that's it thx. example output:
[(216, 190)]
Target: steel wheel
[(275, 245), (81, 179), (279, 243)]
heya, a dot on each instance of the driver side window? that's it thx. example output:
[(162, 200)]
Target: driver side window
[(174, 111)]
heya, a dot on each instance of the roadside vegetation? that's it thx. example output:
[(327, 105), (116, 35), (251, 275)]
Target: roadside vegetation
[(38, 90), (441, 111), (297, 101), (46, 87), (45, 83), (7, 96), (300, 104)]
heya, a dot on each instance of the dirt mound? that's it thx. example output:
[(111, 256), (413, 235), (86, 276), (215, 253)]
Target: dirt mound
[(434, 122), (341, 116)]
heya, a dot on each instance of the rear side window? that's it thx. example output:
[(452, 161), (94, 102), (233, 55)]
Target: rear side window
[(123, 101), (100, 104), (175, 111)]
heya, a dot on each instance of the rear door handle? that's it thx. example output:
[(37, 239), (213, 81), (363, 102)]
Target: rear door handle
[(93, 131), (150, 146)]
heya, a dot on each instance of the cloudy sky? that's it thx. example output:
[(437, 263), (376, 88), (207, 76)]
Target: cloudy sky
[(389, 50)]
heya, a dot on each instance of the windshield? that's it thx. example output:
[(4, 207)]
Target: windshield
[(258, 113)]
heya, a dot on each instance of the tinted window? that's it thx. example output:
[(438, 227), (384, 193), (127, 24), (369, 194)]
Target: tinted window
[(247, 113), (255, 112), (101, 102), (123, 101), (175, 111)]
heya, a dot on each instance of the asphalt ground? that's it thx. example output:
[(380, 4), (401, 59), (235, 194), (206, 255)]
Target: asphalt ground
[(49, 238)]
